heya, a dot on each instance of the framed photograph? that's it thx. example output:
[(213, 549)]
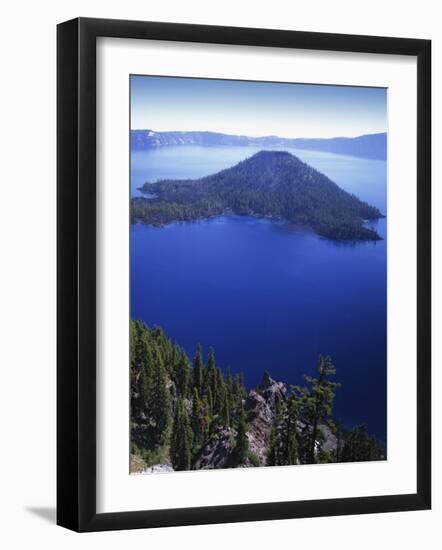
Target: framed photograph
[(243, 274)]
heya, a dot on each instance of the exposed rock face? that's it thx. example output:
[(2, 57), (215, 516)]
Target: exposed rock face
[(217, 452), (330, 440), (260, 406)]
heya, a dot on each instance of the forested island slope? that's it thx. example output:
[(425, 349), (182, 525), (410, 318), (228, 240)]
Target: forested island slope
[(191, 415), (272, 184)]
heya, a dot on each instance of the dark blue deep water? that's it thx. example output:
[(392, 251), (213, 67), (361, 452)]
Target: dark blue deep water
[(264, 294)]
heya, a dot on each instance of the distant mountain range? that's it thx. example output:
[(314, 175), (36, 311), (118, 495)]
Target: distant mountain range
[(371, 146), (271, 184)]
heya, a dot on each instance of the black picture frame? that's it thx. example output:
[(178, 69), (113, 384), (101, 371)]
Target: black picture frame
[(76, 274)]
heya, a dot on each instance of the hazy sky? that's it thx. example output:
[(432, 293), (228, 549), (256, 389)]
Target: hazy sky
[(256, 108)]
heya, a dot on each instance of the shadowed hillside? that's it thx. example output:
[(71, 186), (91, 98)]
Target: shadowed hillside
[(271, 184), (190, 415)]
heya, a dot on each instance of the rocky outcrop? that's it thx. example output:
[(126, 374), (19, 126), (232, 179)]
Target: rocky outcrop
[(260, 407), (330, 442), (218, 452)]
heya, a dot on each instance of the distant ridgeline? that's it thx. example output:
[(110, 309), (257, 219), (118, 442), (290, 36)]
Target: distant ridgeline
[(371, 146), (271, 184), (190, 415)]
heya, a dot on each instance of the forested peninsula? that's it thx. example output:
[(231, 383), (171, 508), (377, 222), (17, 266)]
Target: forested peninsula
[(271, 184), (191, 415)]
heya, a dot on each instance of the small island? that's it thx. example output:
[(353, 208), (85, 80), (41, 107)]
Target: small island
[(270, 184)]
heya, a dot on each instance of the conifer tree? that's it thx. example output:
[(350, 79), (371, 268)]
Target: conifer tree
[(275, 454), (132, 342), (181, 440), (211, 360), (241, 384), (141, 362), (140, 346), (315, 404), (183, 375), (198, 369), (290, 443), (196, 420), (211, 378), (238, 394), (359, 446), (225, 411), (209, 403), (229, 380), (205, 418), (219, 391), (283, 439), (228, 398), (242, 443), (160, 406), (145, 383)]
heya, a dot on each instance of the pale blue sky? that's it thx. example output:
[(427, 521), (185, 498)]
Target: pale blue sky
[(256, 108)]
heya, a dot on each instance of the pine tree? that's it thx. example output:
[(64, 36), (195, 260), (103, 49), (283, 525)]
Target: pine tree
[(160, 406), (183, 375), (242, 388), (229, 380), (359, 446), (315, 404), (209, 404), (132, 342), (271, 456), (198, 369), (211, 360), (141, 363), (237, 396), (196, 421), (181, 440), (211, 379), (218, 391), (291, 444), (228, 398), (242, 443), (225, 411), (283, 445), (145, 383), (275, 454), (205, 418)]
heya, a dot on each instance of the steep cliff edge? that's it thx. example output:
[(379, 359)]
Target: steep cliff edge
[(261, 407)]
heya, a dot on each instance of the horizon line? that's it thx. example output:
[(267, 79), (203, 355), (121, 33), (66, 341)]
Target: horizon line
[(251, 136)]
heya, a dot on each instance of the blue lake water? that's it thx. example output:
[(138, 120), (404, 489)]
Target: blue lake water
[(264, 294)]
